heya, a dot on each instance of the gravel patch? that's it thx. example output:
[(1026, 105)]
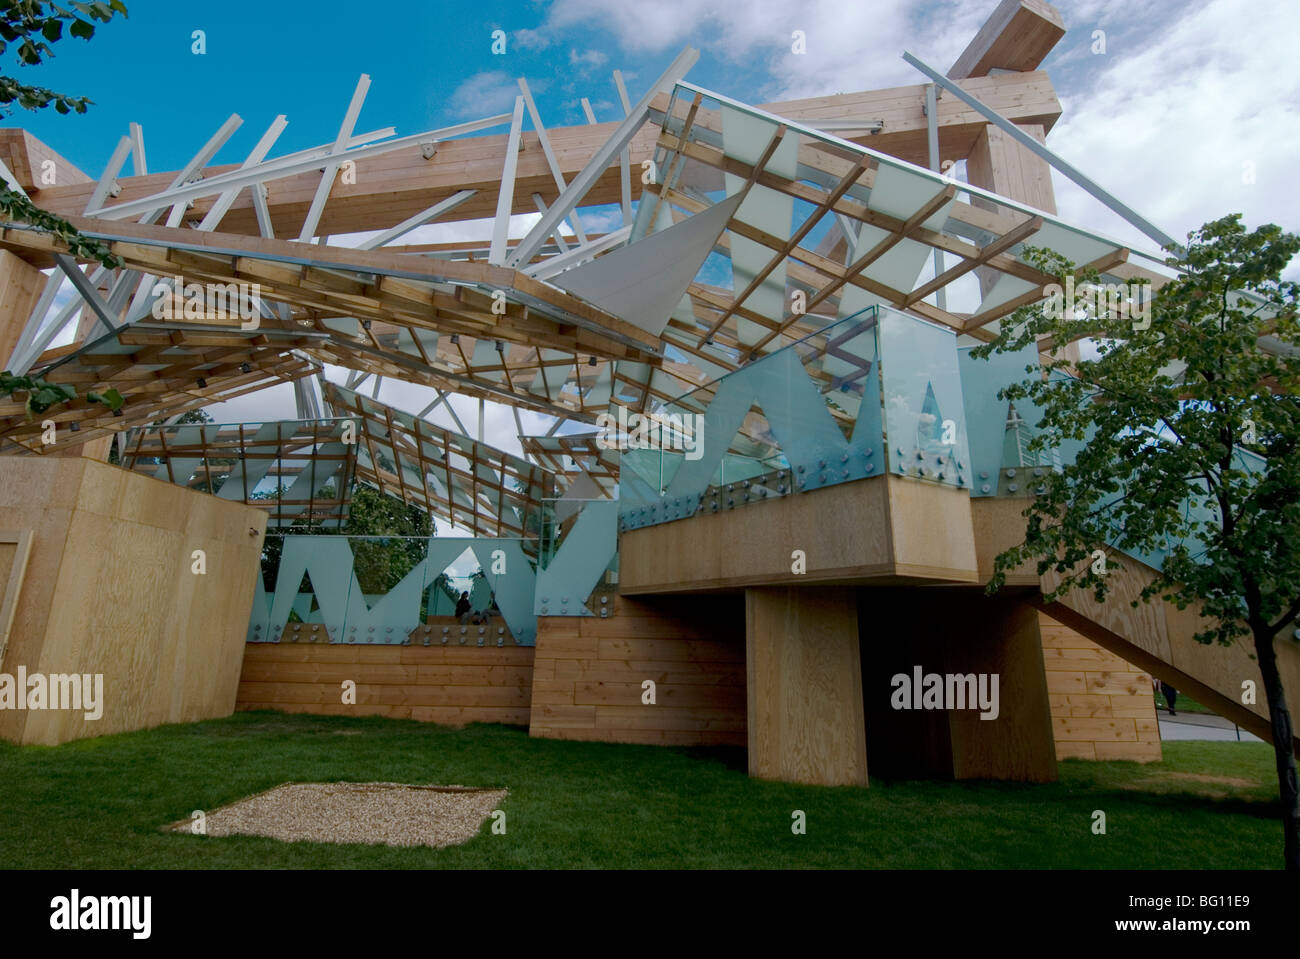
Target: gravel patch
[(389, 814)]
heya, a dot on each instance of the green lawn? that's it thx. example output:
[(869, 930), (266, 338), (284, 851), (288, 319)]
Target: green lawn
[(99, 803)]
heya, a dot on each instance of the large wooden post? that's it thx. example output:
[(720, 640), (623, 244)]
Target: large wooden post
[(998, 163), (20, 288), (805, 686), (1017, 36), (1005, 641)]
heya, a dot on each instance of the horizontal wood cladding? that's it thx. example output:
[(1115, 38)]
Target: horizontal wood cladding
[(588, 674), (1102, 707), (453, 685)]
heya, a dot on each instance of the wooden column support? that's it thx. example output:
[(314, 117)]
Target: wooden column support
[(20, 287), (805, 686)]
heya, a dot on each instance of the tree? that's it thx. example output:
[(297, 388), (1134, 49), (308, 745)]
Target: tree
[(396, 537), (27, 28), (1188, 438), (443, 583), (380, 561)]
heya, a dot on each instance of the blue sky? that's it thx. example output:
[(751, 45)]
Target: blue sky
[(263, 59), (1184, 97), (431, 64)]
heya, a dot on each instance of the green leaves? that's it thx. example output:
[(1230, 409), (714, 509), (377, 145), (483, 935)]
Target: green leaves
[(46, 395), (36, 98), (31, 24), (1186, 435), (41, 395), (16, 207), (110, 398), (10, 384)]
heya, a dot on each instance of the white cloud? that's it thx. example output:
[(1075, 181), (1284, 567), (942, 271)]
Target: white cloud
[(587, 60), (1173, 127), (488, 93), (528, 39), (604, 219), (850, 46), (605, 110), (1186, 104)]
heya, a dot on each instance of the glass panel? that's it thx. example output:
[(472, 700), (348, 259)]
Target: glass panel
[(580, 577), (295, 470), (395, 590), (803, 417), (728, 136), (925, 419)]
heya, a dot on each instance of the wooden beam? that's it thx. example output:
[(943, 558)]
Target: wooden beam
[(1101, 265), (1005, 242), (402, 183), (1018, 35)]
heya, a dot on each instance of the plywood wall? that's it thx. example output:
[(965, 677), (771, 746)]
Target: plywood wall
[(588, 675), (450, 684), (1102, 706), (110, 589)]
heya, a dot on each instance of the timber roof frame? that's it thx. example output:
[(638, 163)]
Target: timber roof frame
[(426, 314), (477, 487)]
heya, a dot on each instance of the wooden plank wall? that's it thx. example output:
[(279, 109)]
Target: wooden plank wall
[(1102, 706), (450, 684), (588, 673)]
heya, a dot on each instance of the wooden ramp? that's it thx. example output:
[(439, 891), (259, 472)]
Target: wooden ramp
[(1157, 636)]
